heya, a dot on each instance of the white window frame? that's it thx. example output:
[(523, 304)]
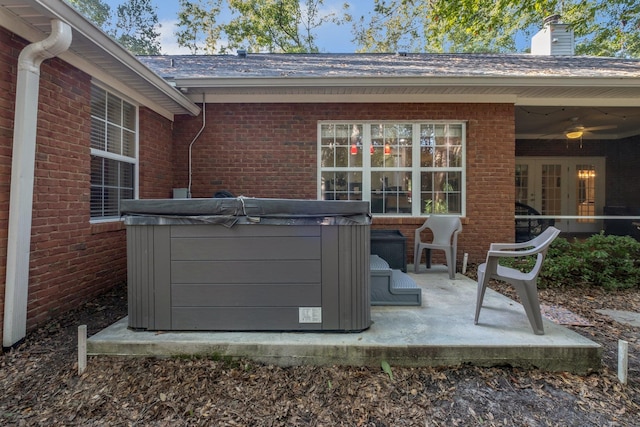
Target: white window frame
[(119, 157), (415, 170)]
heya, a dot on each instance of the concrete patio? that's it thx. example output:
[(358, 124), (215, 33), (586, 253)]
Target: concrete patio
[(440, 333)]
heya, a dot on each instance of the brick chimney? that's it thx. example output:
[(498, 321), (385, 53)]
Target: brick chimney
[(555, 38)]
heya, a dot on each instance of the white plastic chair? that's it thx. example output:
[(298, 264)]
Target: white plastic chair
[(445, 231), (525, 284)]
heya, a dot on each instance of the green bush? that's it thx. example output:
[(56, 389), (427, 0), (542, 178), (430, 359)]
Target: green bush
[(612, 262)]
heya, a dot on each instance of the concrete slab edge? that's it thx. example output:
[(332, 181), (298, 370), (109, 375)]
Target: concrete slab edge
[(577, 360)]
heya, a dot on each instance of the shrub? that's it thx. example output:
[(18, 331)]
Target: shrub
[(612, 262)]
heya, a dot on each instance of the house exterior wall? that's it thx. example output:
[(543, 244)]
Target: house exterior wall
[(270, 150), (71, 259)]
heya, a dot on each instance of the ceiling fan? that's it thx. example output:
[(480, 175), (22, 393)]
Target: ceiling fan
[(576, 130)]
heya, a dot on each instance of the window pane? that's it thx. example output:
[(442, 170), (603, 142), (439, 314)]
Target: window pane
[(440, 158), (341, 186), (455, 156), (114, 109), (96, 202), (96, 170), (110, 202), (128, 143), (126, 176), (98, 102), (128, 116), (98, 132), (114, 139), (328, 156), (391, 192), (441, 192), (342, 156)]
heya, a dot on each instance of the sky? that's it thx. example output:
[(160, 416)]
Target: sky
[(330, 38)]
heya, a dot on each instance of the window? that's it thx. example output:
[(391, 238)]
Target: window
[(113, 153), (412, 168)]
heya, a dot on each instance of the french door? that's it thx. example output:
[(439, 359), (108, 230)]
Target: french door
[(571, 189)]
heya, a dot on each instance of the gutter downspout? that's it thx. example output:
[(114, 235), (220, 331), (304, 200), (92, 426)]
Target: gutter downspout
[(204, 124), (22, 178)]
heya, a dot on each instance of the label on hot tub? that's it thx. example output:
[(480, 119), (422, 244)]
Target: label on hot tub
[(309, 314)]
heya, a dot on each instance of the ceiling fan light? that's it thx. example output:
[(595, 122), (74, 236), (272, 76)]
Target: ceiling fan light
[(574, 134)]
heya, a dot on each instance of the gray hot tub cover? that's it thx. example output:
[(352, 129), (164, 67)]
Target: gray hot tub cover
[(245, 210)]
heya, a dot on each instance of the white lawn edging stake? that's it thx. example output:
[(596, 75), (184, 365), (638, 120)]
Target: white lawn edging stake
[(82, 349), (465, 259), (623, 361)]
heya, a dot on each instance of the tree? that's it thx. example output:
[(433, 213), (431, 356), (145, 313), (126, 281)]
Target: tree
[(134, 25), (255, 25), (601, 27), (95, 11), (198, 27)]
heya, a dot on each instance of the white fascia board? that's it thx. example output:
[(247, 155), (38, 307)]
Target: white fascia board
[(461, 81), (578, 102), (214, 98)]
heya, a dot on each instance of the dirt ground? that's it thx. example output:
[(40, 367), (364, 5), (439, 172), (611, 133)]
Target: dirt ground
[(40, 384)]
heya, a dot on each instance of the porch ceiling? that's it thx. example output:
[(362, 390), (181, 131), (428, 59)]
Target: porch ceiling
[(551, 122)]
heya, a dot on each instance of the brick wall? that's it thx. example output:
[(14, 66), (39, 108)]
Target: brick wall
[(155, 162), (269, 150), (71, 260)]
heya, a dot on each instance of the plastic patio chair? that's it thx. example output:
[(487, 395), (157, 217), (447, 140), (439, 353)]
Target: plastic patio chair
[(525, 284), (445, 231)]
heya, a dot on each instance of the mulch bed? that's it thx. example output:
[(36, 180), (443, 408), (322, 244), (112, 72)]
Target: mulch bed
[(40, 384)]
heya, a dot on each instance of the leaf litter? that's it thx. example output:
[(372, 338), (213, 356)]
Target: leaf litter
[(41, 386)]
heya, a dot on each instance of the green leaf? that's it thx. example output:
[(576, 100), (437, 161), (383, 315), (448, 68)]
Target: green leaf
[(387, 369)]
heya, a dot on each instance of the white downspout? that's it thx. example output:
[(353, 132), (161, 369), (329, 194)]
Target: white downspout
[(22, 177), (204, 125)]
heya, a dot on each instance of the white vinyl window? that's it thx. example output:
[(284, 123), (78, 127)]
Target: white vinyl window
[(402, 168), (114, 137)]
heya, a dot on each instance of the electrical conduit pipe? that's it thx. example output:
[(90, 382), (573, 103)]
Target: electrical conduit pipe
[(22, 178)]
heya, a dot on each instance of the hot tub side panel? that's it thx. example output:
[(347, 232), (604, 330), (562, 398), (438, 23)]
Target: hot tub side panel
[(346, 277), (249, 277), (148, 277)]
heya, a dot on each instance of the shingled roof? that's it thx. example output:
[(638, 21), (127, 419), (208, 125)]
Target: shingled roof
[(388, 65)]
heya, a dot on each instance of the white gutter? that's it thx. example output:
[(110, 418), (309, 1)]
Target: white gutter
[(22, 178)]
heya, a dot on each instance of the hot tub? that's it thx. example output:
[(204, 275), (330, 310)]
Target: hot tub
[(248, 264)]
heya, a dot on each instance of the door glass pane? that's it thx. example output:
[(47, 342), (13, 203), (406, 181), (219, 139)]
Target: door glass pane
[(522, 184), (551, 190), (586, 191)]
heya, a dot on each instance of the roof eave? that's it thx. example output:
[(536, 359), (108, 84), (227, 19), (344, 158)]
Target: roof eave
[(460, 81), (82, 28)]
